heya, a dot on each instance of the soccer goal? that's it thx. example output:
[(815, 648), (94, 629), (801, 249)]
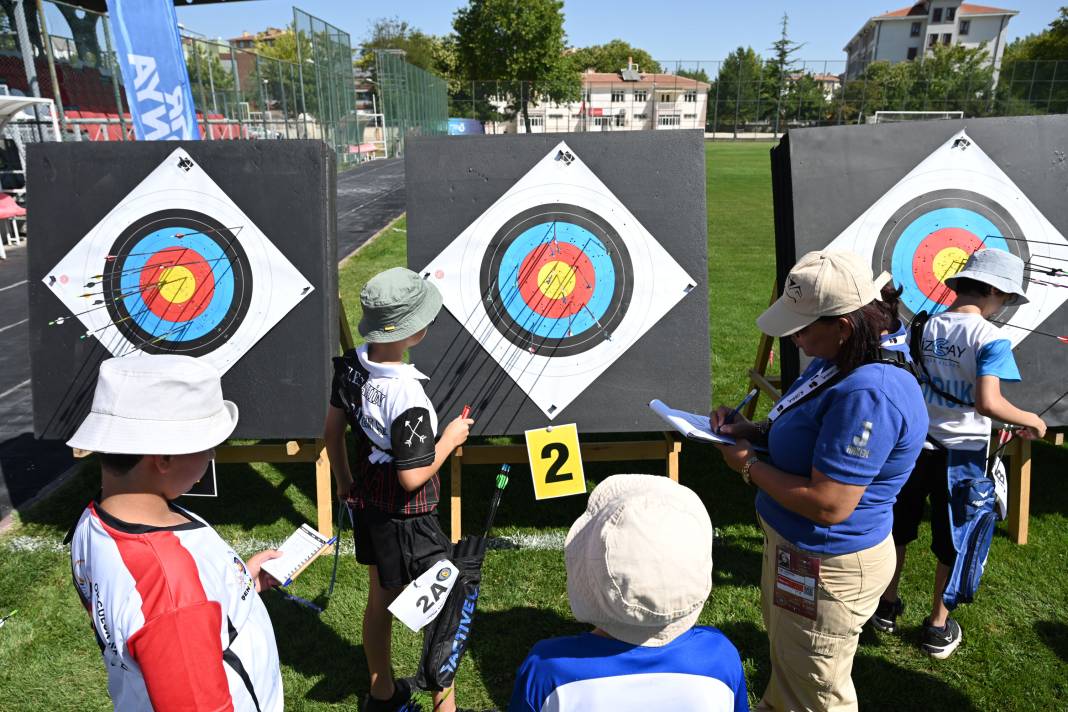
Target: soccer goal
[(886, 117)]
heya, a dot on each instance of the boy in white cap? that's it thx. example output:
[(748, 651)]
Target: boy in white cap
[(175, 610), (398, 453), (639, 568), (962, 359)]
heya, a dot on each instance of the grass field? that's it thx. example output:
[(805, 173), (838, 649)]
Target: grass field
[(1015, 651)]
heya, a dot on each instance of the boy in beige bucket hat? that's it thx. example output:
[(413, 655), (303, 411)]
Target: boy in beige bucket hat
[(175, 610), (639, 568), (395, 491)]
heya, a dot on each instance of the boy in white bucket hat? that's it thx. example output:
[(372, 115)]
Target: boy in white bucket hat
[(962, 359), (639, 568), (175, 610)]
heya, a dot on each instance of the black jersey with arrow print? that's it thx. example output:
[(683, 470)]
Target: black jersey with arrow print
[(413, 439), (394, 426)]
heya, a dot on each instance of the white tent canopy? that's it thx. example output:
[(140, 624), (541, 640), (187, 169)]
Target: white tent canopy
[(10, 106)]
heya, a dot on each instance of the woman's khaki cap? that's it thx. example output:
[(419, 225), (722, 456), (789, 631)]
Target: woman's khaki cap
[(822, 283)]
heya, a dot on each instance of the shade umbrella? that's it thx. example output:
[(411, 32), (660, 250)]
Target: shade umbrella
[(448, 636)]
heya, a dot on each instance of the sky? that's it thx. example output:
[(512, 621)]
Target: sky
[(668, 29)]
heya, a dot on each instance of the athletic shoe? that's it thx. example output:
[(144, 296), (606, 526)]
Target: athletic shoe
[(941, 642), (885, 617), (400, 702)]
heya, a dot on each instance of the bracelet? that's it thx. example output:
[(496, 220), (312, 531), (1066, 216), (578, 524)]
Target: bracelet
[(753, 459)]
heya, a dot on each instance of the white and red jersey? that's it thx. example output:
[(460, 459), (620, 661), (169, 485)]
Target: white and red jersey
[(176, 615)]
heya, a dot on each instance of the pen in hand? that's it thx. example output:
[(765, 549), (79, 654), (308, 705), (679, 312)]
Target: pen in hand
[(736, 412)]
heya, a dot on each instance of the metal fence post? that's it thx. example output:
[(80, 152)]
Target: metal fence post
[(113, 61), (200, 81), (46, 39), (28, 61)]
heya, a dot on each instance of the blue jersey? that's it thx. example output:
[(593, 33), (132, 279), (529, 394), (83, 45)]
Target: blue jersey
[(699, 670), (866, 429)]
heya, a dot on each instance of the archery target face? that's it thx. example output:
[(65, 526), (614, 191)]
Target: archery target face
[(177, 267), (930, 238), (557, 279), (957, 201)]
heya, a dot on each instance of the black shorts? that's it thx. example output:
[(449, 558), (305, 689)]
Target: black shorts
[(929, 479), (402, 546)]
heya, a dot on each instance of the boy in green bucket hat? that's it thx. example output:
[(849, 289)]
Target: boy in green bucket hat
[(394, 486)]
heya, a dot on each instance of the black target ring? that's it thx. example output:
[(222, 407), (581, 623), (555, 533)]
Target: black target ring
[(904, 231), (155, 233), (607, 256)]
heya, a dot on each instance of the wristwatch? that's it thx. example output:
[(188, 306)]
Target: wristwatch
[(747, 467)]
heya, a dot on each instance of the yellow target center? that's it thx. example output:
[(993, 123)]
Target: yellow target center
[(948, 262), (177, 284), (556, 279)]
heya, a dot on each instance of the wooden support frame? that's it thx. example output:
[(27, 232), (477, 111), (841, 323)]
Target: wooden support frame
[(1019, 470), (291, 451), (666, 449), (758, 378)]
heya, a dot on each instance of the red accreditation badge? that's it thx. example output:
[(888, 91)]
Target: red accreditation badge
[(796, 578)]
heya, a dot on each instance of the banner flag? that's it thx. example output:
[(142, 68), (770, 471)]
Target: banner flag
[(154, 72)]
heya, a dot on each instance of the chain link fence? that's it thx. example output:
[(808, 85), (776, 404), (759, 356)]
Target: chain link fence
[(735, 98), (294, 84), (412, 100)]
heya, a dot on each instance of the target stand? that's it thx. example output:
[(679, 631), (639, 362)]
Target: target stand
[(666, 449), (306, 450), (289, 451)]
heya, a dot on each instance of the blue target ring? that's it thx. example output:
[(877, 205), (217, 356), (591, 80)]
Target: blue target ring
[(534, 238), (195, 323), (929, 237), (167, 238), (556, 279), (903, 262)]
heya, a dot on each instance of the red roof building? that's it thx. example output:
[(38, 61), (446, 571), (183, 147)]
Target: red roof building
[(911, 32)]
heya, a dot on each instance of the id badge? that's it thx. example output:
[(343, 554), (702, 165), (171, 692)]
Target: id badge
[(422, 600), (797, 577)]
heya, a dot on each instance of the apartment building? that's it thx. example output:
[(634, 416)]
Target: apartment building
[(911, 32), (628, 100)]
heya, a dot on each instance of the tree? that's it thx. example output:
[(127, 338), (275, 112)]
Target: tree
[(420, 49), (696, 74), (611, 57), (1034, 71), (952, 78), (949, 78), (32, 28), (521, 42), (779, 74), (737, 88), (207, 74), (277, 74)]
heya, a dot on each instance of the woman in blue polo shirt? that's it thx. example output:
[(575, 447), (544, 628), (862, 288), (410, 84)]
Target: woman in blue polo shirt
[(842, 442)]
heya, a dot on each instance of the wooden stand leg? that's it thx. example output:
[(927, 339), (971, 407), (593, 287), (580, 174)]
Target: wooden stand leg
[(674, 445), (454, 487), (324, 500), (1019, 490)]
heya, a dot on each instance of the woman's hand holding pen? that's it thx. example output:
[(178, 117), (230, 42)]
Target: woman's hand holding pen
[(727, 421)]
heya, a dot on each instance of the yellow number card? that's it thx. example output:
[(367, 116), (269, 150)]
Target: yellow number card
[(555, 461)]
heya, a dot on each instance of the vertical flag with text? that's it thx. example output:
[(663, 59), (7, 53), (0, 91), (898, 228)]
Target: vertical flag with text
[(154, 72)]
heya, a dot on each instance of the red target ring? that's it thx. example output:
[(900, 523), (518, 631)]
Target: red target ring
[(556, 280), (941, 255), (177, 284)]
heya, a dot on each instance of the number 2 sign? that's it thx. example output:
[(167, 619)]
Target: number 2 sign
[(555, 461)]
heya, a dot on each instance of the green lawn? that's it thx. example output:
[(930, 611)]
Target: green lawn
[(1015, 651)]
